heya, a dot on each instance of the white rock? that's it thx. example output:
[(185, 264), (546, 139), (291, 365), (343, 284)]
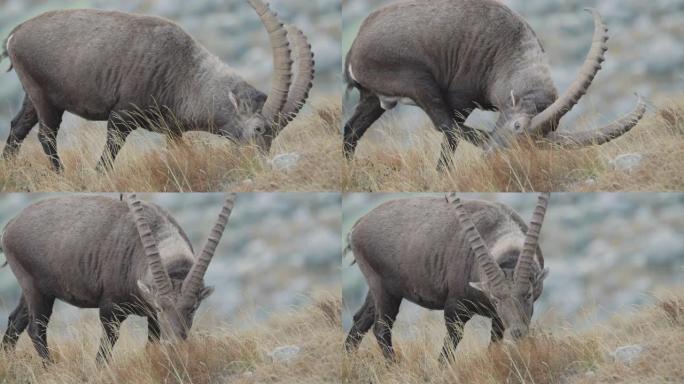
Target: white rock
[(627, 354), (627, 162), (284, 354), (285, 162)]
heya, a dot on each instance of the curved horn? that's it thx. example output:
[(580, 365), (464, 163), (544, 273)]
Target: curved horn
[(487, 264), (282, 63), (523, 268), (602, 135), (546, 121), (193, 282), (159, 275), (303, 79)]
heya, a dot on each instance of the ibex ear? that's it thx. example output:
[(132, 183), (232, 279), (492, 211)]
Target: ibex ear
[(233, 100), (206, 292), (451, 197), (480, 286), (543, 274)]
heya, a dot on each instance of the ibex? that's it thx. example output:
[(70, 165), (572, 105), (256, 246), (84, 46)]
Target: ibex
[(145, 72), (125, 258), (466, 258), (449, 57)]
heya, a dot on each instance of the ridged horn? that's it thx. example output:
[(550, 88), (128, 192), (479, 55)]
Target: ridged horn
[(282, 62), (601, 135), (523, 268), (548, 119), (194, 281), (303, 77), (159, 275), (485, 260)]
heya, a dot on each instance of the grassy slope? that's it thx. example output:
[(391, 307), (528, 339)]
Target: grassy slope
[(385, 166), (553, 356), (214, 354), (202, 163)]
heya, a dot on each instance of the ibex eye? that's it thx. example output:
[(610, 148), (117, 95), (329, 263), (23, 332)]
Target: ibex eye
[(517, 126)]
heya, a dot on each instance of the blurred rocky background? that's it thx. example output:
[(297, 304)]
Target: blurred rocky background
[(607, 252), (230, 29), (277, 251), (645, 55)]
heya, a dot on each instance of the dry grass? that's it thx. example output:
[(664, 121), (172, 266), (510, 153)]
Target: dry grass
[(563, 356), (201, 163), (214, 354), (386, 166)]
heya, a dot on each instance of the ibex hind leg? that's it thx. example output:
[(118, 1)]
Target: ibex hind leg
[(50, 120), (386, 310), (363, 321), (21, 125), (40, 310), (16, 324), (367, 112)]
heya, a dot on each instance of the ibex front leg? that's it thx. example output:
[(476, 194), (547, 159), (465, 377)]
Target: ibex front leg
[(111, 319)]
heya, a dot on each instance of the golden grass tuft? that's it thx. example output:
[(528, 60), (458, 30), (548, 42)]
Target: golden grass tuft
[(553, 356), (200, 163), (213, 354), (388, 166)]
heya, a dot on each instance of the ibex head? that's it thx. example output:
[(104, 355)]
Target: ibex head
[(511, 292), (175, 304), (521, 117), (263, 120)]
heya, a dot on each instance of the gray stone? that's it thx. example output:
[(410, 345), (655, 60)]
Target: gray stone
[(628, 354), (627, 162), (285, 162), (284, 354)]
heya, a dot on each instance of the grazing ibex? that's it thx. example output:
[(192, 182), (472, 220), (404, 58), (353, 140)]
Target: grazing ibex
[(466, 258), (125, 258), (449, 57), (146, 72)]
